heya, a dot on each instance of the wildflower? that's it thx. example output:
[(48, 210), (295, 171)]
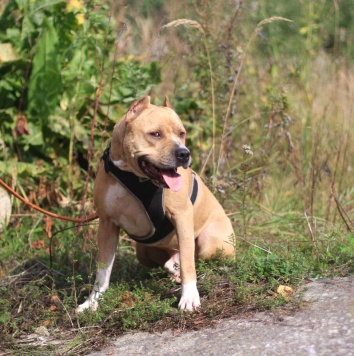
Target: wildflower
[(76, 6), (247, 150), (245, 167)]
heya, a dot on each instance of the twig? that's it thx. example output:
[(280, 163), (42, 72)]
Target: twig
[(342, 143), (254, 245), (122, 29), (311, 230), (343, 213), (206, 162), (66, 310)]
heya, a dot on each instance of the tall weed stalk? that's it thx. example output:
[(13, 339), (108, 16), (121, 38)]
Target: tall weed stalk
[(232, 93)]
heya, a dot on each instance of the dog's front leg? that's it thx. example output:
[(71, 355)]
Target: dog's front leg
[(107, 238), (185, 233)]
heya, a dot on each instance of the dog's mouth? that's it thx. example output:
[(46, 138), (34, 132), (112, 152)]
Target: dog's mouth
[(162, 177)]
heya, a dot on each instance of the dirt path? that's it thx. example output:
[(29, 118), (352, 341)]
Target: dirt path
[(325, 326)]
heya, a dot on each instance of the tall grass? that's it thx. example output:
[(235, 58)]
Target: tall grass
[(296, 112)]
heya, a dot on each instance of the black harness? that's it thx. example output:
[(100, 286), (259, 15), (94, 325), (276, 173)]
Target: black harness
[(150, 196)]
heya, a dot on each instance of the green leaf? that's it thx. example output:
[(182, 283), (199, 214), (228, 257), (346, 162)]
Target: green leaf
[(22, 168), (45, 83), (35, 138)]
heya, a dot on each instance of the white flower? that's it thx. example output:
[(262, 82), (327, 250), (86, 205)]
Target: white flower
[(247, 150)]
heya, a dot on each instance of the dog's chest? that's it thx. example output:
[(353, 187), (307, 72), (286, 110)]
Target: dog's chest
[(126, 211)]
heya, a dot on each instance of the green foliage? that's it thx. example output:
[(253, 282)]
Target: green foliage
[(45, 76), (136, 307), (64, 68), (316, 25), (140, 298), (5, 307)]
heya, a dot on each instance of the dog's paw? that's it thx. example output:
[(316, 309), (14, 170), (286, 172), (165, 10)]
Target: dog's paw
[(91, 303), (190, 297)]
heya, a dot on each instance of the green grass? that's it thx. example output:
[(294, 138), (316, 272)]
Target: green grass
[(33, 295)]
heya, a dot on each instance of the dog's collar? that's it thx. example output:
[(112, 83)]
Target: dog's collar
[(150, 196)]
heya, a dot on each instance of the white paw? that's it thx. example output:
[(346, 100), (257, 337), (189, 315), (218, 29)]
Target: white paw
[(91, 303), (190, 297)]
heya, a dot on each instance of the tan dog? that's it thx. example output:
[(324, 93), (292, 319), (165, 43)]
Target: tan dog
[(148, 147)]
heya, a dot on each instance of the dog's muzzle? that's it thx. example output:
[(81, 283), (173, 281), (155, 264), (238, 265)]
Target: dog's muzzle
[(166, 176)]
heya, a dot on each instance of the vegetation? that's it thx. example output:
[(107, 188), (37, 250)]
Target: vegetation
[(266, 92)]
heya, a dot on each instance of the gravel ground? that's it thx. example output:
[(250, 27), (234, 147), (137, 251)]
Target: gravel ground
[(324, 326)]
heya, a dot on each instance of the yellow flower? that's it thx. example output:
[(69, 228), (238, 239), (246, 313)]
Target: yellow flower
[(76, 5)]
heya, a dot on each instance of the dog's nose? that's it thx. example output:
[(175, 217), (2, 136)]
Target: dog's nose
[(183, 155)]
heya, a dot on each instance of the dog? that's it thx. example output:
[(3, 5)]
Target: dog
[(145, 186)]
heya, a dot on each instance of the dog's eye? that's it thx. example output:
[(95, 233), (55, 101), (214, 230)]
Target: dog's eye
[(155, 134), (182, 134)]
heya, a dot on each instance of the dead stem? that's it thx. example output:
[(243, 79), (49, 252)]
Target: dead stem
[(346, 219), (236, 81)]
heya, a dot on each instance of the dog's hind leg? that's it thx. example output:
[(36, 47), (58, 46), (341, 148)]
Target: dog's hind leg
[(173, 266), (151, 256), (107, 238), (217, 237)]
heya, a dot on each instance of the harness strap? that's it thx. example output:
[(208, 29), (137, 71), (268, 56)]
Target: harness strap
[(150, 196)]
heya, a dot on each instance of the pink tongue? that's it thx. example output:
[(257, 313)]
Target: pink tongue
[(173, 180)]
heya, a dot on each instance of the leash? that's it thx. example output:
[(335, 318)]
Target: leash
[(46, 212)]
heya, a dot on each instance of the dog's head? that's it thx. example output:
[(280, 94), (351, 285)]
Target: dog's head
[(150, 141)]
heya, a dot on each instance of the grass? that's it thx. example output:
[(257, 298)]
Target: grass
[(33, 295), (270, 86)]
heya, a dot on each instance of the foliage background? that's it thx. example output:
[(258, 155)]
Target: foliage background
[(238, 73)]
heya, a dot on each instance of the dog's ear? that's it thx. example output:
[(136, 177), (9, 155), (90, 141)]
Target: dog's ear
[(167, 103), (136, 108)]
